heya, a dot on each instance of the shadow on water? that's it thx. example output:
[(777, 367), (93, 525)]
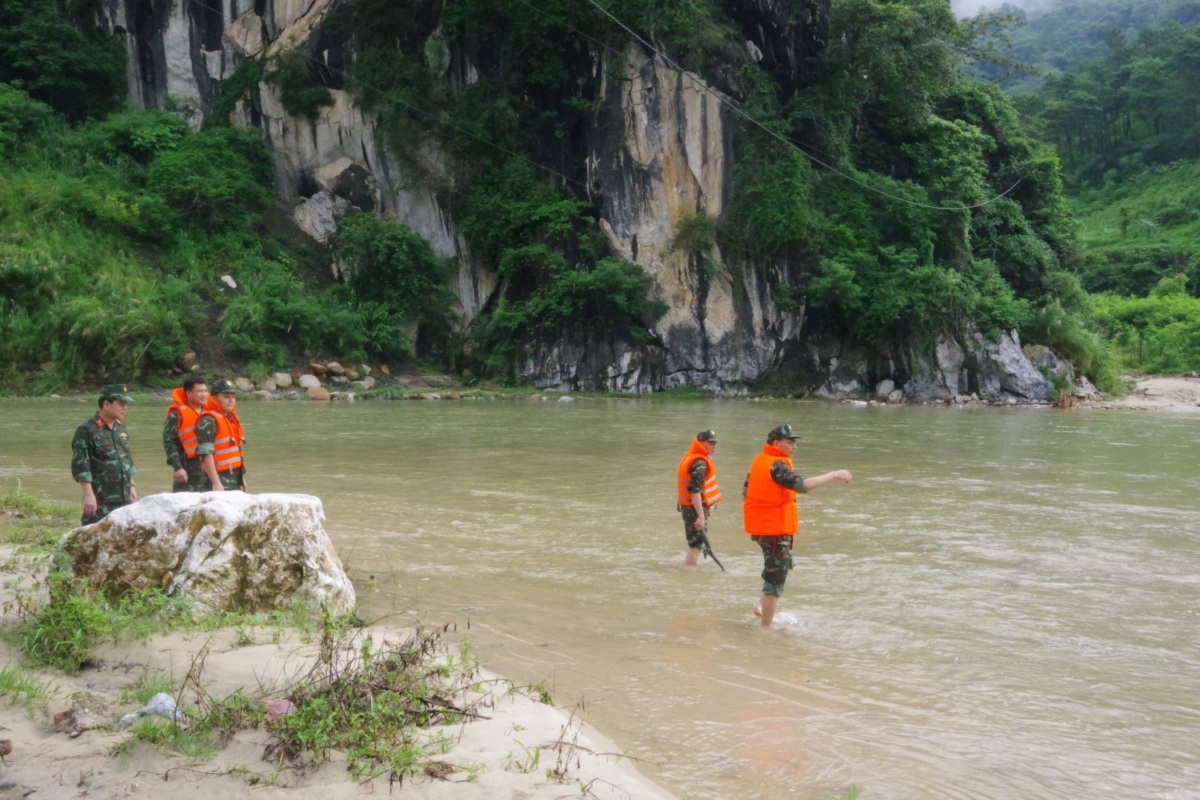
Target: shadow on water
[(1002, 604)]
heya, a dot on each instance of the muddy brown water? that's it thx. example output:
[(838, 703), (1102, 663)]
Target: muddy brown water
[(1004, 604)]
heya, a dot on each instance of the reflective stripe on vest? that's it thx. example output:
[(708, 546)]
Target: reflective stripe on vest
[(769, 509), (710, 495), (187, 428)]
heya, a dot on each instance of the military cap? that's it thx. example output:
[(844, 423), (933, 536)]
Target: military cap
[(223, 387), (115, 391), (783, 431), (706, 436)]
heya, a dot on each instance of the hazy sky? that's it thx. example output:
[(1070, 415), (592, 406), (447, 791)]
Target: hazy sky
[(969, 8)]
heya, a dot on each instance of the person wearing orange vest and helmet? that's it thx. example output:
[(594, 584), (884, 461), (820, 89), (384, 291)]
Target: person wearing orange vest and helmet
[(179, 434), (220, 441), (770, 514), (697, 492)]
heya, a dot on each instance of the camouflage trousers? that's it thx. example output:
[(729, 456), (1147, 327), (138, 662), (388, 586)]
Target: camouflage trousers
[(197, 481), (695, 538), (777, 562), (233, 479), (102, 511)]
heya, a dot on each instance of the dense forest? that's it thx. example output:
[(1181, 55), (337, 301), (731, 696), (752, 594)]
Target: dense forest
[(1115, 94), (897, 195)]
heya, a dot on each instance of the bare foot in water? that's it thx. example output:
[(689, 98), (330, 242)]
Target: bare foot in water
[(758, 609)]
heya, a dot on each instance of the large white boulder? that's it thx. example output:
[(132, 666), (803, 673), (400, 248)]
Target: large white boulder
[(228, 551)]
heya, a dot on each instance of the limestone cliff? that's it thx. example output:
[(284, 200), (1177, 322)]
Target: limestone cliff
[(661, 148)]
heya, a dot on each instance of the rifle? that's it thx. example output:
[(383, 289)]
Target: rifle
[(708, 551)]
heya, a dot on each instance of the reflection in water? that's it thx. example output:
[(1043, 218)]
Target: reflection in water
[(1002, 605)]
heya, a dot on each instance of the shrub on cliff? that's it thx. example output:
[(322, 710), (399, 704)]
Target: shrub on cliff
[(215, 178)]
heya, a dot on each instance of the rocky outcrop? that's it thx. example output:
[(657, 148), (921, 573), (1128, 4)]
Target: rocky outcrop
[(969, 365), (674, 160), (228, 551)]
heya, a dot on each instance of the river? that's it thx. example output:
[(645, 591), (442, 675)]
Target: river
[(1003, 604)]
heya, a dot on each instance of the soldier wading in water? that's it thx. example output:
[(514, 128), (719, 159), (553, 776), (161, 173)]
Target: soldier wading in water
[(697, 492)]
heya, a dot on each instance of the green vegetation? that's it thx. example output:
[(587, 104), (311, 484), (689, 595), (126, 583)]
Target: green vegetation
[(373, 705), (24, 688), (1051, 38), (1120, 107), (114, 236), (301, 86), (1155, 334), (1141, 230), (864, 253), (60, 631), (126, 239), (1135, 107), (48, 48)]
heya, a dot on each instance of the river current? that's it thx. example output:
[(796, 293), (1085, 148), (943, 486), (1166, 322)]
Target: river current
[(1003, 604)]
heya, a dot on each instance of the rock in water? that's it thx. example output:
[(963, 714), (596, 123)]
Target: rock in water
[(228, 551)]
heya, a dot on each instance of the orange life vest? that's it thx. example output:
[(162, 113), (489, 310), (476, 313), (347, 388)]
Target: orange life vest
[(769, 509), (227, 448), (187, 420), (710, 495)]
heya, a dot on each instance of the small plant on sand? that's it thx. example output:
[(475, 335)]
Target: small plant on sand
[(24, 688), (146, 686), (31, 522), (61, 632), (372, 702), (168, 735), (63, 620)]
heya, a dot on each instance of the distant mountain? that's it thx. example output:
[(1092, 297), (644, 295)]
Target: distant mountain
[(1056, 34)]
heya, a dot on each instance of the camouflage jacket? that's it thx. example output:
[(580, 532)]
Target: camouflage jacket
[(206, 435), (784, 475), (697, 474), (100, 456)]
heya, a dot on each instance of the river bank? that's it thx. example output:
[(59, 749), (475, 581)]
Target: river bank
[(1156, 393), (1146, 393), (60, 735)]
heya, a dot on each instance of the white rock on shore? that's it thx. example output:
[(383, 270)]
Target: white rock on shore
[(228, 551)]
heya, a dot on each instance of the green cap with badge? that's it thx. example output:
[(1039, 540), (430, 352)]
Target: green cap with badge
[(115, 391), (706, 436), (781, 432), (223, 387)]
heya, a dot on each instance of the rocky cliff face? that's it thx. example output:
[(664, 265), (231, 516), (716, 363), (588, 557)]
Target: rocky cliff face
[(661, 149)]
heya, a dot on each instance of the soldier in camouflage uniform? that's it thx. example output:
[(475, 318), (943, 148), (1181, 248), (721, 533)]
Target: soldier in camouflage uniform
[(101, 462), (179, 436), (696, 492), (770, 514), (221, 441)]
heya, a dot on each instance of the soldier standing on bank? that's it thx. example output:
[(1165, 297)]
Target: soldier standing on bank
[(101, 461), (220, 438), (179, 434)]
